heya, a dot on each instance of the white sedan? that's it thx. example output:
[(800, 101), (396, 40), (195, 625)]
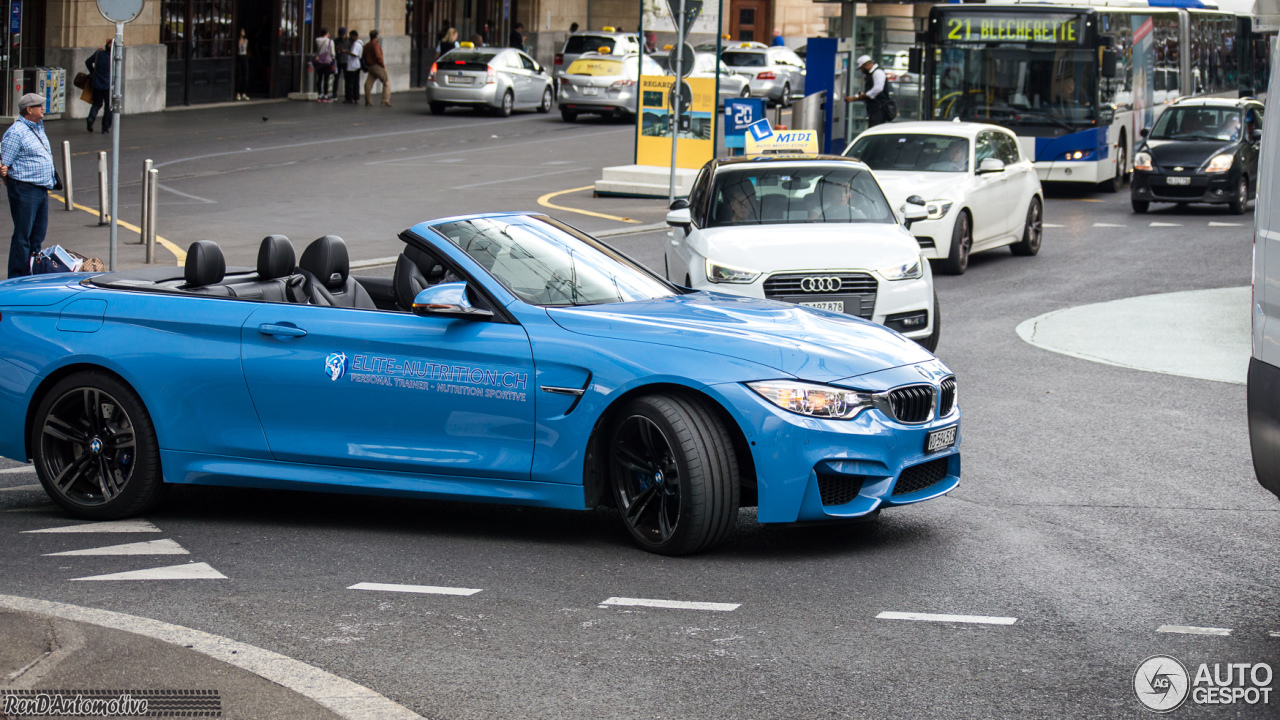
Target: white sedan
[(816, 231), (980, 191)]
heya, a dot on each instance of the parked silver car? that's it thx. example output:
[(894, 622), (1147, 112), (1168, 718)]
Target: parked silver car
[(600, 84), (586, 41), (499, 79), (777, 73)]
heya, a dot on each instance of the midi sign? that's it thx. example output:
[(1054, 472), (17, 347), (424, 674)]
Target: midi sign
[(1037, 29)]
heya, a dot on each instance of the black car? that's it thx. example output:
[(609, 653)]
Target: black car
[(1202, 151)]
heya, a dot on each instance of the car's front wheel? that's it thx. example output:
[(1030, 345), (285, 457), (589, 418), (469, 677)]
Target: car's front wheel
[(674, 474), (545, 107), (1032, 231), (1240, 203), (1140, 206), (930, 342), (961, 242), (94, 447)]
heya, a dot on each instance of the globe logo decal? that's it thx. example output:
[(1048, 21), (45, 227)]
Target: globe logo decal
[(335, 366)]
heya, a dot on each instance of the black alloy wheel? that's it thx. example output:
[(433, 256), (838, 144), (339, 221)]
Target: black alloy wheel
[(674, 474), (508, 104), (1139, 206), (961, 243), (568, 116), (94, 448), (545, 107), (1240, 202), (1032, 232)]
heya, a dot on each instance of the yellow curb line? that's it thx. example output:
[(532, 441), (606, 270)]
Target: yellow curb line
[(177, 251), (545, 201)]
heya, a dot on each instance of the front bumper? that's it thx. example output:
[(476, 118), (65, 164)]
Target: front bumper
[(856, 465), (1153, 186), (478, 95), (934, 236), (1080, 171)]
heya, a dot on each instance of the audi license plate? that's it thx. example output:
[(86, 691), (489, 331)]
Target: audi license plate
[(834, 306), (588, 90), (1178, 180), (940, 439)]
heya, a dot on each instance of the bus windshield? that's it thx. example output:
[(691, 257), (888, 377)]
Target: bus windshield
[(1043, 92)]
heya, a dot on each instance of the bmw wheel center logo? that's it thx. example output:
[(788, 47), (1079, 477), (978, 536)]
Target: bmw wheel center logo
[(821, 284), (335, 366)]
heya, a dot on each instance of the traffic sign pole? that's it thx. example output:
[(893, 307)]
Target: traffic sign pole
[(676, 97)]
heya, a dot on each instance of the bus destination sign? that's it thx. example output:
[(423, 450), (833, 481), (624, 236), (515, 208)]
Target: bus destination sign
[(1038, 29)]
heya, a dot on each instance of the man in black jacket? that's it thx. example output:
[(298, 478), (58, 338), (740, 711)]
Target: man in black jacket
[(875, 92), (99, 65)]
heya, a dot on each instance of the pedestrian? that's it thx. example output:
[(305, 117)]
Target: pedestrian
[(477, 40), (242, 67), (351, 76), (777, 38), (650, 42), (517, 37), (448, 41), (875, 92), (573, 28), (99, 64), (26, 164), (377, 68), (341, 44), (325, 63)]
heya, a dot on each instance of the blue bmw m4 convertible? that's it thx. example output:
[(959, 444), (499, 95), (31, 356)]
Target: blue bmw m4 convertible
[(510, 359)]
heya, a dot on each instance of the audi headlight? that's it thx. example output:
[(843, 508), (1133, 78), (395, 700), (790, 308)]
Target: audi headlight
[(718, 273), (1142, 161), (821, 401), (1221, 163), (937, 208), (908, 271)]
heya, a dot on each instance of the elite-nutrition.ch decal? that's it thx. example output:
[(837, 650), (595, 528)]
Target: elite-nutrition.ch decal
[(415, 374)]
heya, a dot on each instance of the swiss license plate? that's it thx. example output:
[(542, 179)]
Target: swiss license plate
[(459, 80), (837, 306), (1178, 180), (588, 90), (940, 439)]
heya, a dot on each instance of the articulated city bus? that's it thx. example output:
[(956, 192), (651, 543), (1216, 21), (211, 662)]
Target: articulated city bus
[(1078, 82)]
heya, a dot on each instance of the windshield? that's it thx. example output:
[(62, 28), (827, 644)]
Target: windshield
[(544, 262), (1040, 91), (745, 59), (1197, 123), (910, 152), (765, 195), (578, 44)]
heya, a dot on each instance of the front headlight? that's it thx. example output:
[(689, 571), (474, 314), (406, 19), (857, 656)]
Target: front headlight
[(718, 273), (937, 208), (820, 401), (909, 271), (1222, 163), (1142, 161)]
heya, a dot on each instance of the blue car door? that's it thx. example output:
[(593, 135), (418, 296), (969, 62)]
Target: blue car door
[(391, 390)]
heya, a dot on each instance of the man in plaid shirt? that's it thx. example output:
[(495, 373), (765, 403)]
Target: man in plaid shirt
[(26, 164)]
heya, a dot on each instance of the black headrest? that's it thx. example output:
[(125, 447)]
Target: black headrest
[(327, 260), (275, 258), (205, 264)]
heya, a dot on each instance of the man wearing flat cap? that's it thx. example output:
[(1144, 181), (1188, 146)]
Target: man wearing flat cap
[(26, 164), (875, 93)]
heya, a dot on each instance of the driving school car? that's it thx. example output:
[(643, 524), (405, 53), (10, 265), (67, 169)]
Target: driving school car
[(510, 359)]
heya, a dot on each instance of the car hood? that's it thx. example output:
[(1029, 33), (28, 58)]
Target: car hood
[(801, 342), (899, 185), (808, 246), (1190, 154)]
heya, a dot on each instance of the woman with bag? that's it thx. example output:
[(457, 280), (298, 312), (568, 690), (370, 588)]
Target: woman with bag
[(325, 63)]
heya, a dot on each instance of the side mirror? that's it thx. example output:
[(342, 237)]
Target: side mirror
[(680, 217), (448, 300), (1109, 60), (680, 204), (991, 165), (914, 210), (1144, 132)]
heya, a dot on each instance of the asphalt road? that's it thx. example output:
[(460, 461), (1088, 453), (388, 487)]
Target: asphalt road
[(1098, 503)]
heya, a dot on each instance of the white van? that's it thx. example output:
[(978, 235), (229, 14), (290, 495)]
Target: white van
[(1264, 366)]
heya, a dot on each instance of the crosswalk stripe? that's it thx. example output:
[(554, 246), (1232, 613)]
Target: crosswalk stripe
[(1192, 630), (150, 547), (1222, 224), (190, 571), (16, 470), (22, 488), (931, 617), (423, 589), (671, 604), (1111, 225), (113, 526), (1051, 225), (1164, 224)]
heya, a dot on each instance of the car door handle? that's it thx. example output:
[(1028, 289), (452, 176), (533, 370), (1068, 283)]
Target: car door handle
[(281, 330)]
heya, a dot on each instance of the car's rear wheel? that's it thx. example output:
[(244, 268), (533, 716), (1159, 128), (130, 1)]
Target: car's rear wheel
[(1240, 203), (1032, 232), (508, 104), (437, 108), (746, 92), (545, 107), (961, 243), (930, 342), (674, 474), (785, 100), (94, 448), (1140, 206), (568, 116)]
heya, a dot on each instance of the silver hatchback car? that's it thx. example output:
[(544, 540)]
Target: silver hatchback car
[(586, 41), (499, 79), (604, 85), (776, 73)]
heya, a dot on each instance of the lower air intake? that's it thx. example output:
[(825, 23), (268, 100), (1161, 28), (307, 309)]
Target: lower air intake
[(919, 477), (838, 489)]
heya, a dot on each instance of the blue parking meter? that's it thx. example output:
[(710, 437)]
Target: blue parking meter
[(739, 114)]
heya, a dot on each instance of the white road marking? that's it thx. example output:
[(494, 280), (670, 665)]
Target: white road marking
[(487, 148), (23, 469), (514, 179), (451, 160), (151, 547), (424, 589), (557, 162), (1164, 224), (203, 200), (1275, 633), (671, 604), (1222, 224), (931, 617), (16, 488), (1108, 225), (1192, 630), (190, 571), (347, 699), (1051, 225), (113, 526)]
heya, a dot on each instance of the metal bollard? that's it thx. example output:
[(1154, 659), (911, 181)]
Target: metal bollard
[(102, 188), (66, 175), (146, 198), (153, 191)]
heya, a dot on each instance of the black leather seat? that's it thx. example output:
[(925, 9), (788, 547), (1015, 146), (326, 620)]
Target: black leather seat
[(327, 269), (277, 280), (204, 269), (415, 271)]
